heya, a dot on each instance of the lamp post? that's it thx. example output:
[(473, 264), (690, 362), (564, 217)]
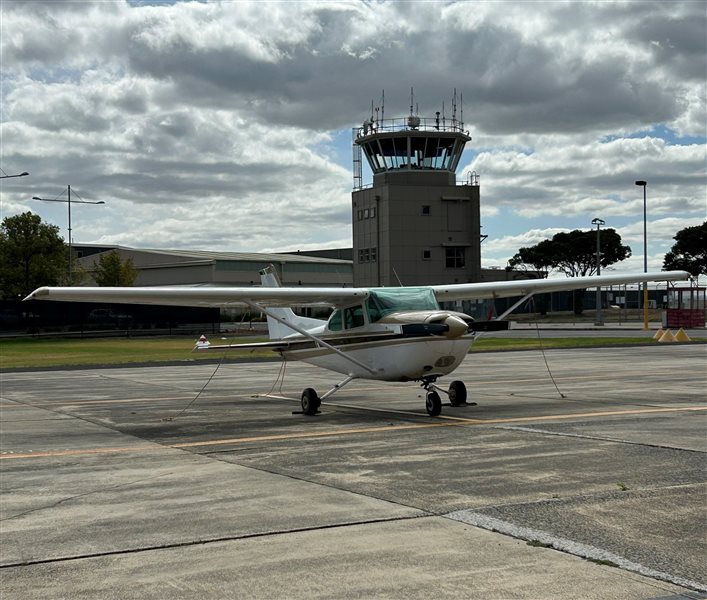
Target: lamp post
[(598, 317), (645, 255), (8, 176), (68, 202)]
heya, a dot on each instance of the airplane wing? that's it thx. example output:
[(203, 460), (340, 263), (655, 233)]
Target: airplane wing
[(205, 296), (506, 289), (328, 296)]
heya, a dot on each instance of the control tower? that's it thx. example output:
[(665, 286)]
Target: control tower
[(415, 225)]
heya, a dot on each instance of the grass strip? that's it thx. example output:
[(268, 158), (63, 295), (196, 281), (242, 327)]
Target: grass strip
[(25, 353), (37, 353)]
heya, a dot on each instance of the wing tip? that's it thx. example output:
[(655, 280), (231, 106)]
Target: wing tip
[(37, 294)]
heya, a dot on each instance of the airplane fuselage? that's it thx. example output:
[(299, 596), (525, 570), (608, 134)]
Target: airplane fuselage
[(402, 359)]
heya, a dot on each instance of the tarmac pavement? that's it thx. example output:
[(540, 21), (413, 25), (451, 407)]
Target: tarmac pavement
[(134, 483)]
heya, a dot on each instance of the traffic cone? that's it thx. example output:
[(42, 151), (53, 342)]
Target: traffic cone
[(667, 337), (658, 334), (681, 336)]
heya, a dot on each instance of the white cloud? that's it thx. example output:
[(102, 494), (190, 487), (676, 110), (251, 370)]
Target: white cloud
[(212, 124)]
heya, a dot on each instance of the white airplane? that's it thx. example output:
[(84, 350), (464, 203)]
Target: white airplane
[(384, 334)]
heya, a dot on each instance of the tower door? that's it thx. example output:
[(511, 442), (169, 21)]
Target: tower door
[(456, 220)]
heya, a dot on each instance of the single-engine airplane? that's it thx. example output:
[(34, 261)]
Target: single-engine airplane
[(385, 334)]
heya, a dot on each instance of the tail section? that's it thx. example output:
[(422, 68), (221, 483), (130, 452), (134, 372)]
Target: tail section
[(277, 330)]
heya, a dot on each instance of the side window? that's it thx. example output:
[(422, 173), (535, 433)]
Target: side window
[(335, 321), (353, 317), (374, 313)]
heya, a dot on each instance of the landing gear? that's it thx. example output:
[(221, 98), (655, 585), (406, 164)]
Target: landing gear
[(433, 404), (310, 402), (457, 393)]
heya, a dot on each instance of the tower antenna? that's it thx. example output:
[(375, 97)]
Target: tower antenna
[(454, 108)]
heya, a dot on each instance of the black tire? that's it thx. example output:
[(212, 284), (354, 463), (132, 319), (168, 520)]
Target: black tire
[(457, 393), (433, 404), (310, 402)]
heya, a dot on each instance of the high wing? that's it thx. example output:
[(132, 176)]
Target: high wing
[(523, 287), (205, 296), (328, 296)]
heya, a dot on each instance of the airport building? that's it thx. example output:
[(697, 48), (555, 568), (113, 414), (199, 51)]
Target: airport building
[(415, 224), (204, 267)]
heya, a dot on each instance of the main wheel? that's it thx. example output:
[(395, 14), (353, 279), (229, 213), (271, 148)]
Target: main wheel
[(433, 404), (457, 393), (310, 402)]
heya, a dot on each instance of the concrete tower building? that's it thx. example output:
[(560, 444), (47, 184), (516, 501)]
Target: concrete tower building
[(415, 225)]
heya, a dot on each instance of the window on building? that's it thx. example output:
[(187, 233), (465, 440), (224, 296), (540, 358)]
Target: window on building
[(360, 255), (374, 254), (366, 213), (427, 255), (426, 210), (360, 215), (373, 212), (455, 257)]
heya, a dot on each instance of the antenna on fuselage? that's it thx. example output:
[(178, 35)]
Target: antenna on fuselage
[(400, 283)]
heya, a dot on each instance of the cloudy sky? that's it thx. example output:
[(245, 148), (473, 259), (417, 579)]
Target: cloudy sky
[(228, 124)]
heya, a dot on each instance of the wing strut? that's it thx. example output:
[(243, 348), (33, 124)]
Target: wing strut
[(306, 333), (516, 305)]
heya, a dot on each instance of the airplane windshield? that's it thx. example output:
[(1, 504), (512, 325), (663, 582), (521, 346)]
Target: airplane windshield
[(383, 301)]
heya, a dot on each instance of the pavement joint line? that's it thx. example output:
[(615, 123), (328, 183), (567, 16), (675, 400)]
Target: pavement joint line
[(596, 437), (567, 546), (447, 421), (229, 538)]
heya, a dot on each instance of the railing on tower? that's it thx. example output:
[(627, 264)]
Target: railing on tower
[(410, 123)]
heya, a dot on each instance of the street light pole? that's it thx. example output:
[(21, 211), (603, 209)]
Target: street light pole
[(645, 255), (68, 201), (598, 317)]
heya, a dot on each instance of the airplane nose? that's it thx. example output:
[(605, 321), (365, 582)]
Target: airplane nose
[(456, 327)]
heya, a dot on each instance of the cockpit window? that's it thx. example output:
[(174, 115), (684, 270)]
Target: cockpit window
[(346, 318), (335, 321), (383, 301)]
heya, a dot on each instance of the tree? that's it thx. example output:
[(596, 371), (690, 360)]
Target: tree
[(32, 254), (574, 254), (110, 270), (689, 253)]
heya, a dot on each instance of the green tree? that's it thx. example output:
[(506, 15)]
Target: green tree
[(32, 254), (689, 252), (574, 254), (110, 270)]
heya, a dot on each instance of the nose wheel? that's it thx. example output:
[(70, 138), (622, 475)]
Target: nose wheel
[(433, 403), (456, 394)]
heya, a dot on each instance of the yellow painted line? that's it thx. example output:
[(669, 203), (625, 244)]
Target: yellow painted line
[(607, 413), (443, 422)]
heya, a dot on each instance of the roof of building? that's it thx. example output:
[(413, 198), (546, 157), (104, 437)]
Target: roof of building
[(223, 256)]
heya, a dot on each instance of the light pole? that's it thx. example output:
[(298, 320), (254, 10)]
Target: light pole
[(645, 256), (68, 202), (598, 317)]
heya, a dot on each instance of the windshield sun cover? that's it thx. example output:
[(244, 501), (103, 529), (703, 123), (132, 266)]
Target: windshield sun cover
[(383, 301)]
